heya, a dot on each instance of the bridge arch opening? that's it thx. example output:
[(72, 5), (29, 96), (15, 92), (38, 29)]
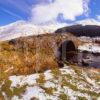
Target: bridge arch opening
[(67, 51)]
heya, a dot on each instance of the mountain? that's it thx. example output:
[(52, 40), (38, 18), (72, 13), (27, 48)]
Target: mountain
[(22, 28), (88, 27), (88, 22), (80, 30)]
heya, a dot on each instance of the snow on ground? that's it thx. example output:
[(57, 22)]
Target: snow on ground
[(67, 83), (22, 80), (95, 48)]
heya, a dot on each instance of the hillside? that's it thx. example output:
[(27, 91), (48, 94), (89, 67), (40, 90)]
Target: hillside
[(30, 68), (22, 28), (80, 30), (68, 83), (23, 62), (31, 54)]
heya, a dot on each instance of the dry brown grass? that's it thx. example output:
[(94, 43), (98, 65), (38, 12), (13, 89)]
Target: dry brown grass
[(31, 54)]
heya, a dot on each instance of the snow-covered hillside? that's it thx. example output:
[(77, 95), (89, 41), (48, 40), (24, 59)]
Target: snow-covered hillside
[(88, 22), (22, 28), (68, 83)]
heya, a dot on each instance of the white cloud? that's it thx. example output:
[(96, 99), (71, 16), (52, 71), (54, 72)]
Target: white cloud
[(43, 12), (86, 7)]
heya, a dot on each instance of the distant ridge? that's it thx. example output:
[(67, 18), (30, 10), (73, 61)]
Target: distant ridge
[(81, 30)]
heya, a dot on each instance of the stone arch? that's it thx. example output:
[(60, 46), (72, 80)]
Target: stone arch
[(66, 51)]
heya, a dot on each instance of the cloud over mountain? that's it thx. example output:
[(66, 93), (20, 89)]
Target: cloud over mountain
[(49, 11)]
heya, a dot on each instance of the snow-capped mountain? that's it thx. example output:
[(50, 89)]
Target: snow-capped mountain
[(88, 22), (22, 28)]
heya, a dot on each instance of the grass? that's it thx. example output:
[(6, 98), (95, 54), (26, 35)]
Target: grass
[(81, 98), (41, 80), (63, 96), (34, 98), (91, 93), (19, 90), (66, 81), (37, 54), (6, 88), (1, 96), (56, 72), (25, 52), (48, 90)]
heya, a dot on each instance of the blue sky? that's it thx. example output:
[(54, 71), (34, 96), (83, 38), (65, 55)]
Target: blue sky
[(31, 10)]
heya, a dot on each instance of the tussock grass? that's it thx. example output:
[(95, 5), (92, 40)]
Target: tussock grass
[(31, 54)]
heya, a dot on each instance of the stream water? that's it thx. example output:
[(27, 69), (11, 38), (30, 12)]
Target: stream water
[(88, 59)]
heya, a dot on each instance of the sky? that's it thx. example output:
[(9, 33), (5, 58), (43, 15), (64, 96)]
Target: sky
[(48, 11)]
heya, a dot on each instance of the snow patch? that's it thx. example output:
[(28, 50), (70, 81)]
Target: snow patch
[(90, 47), (22, 80)]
